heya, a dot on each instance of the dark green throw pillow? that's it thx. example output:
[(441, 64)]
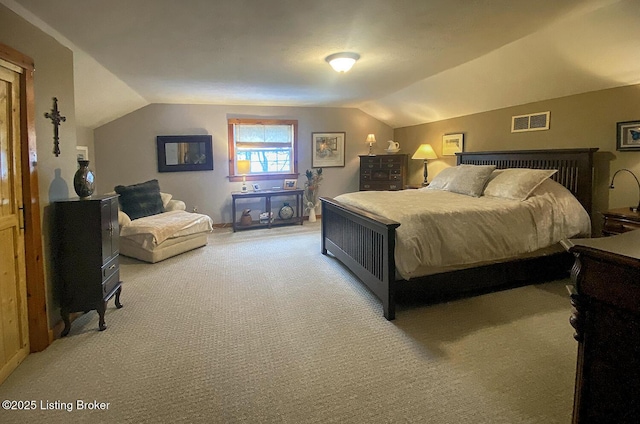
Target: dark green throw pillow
[(140, 200)]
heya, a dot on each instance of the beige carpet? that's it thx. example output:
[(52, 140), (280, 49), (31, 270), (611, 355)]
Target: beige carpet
[(259, 327)]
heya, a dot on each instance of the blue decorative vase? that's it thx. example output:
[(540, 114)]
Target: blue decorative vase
[(83, 180)]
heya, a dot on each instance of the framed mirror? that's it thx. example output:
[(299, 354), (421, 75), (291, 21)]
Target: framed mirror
[(178, 153)]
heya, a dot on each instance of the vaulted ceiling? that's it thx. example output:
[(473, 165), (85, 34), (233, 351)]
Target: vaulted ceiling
[(421, 60)]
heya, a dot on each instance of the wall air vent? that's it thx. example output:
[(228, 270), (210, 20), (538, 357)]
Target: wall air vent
[(532, 122)]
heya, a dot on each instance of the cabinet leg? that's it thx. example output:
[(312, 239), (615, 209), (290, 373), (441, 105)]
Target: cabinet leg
[(101, 308), (117, 302), (67, 324)]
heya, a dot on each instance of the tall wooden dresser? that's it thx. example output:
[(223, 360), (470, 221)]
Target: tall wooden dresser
[(383, 172), (87, 267), (606, 298)]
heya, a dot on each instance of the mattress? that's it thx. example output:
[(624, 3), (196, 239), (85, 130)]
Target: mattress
[(442, 230)]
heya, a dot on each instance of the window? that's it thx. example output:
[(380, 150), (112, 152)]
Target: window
[(270, 146)]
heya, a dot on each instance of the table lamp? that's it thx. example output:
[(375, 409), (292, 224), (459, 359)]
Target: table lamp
[(632, 208), (425, 152), (371, 138), (244, 167)]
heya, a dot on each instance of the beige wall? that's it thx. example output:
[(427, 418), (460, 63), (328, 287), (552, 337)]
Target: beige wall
[(585, 120), (53, 78), (125, 150)]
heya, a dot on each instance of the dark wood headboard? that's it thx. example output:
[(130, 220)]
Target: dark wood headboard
[(575, 166)]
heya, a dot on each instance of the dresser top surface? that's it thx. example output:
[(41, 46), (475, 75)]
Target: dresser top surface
[(623, 213), (625, 244), (383, 155), (89, 199)]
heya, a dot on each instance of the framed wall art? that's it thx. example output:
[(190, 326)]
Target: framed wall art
[(628, 135), (327, 149), (184, 153), (452, 144)]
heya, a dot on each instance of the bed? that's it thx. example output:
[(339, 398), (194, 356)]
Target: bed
[(365, 242)]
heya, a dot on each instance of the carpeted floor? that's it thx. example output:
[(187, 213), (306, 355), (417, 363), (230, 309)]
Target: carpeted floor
[(259, 327)]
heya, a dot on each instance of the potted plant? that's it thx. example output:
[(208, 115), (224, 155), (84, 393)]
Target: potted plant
[(311, 186)]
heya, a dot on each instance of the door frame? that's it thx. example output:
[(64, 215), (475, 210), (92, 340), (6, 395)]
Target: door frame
[(39, 335)]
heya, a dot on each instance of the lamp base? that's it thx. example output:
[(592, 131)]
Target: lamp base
[(425, 182), (371, 150)]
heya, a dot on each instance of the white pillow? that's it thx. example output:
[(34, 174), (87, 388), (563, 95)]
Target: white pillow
[(123, 219), (470, 179), (165, 199), (516, 183), (443, 179)]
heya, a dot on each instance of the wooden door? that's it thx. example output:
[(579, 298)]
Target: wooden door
[(14, 330)]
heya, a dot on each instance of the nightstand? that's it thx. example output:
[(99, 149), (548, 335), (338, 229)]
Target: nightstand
[(617, 221)]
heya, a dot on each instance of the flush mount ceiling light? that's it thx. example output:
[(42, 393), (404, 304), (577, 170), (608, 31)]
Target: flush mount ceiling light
[(342, 62)]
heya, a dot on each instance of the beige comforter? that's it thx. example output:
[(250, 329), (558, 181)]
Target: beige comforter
[(441, 229), (152, 230)]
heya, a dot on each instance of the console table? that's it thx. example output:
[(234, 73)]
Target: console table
[(267, 196), (606, 298)]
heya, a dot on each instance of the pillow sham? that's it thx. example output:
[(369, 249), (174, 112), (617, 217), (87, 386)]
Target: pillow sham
[(470, 179), (516, 183), (443, 179), (140, 200)]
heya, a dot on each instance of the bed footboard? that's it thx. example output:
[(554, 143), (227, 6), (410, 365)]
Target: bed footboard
[(364, 243)]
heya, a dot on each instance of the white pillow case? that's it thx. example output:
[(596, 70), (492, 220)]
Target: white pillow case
[(166, 197), (471, 179), (443, 179), (463, 179), (516, 183)]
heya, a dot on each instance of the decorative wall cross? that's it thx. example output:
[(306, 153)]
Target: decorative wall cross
[(56, 118)]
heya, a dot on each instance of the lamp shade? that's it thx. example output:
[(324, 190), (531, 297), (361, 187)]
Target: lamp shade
[(371, 138), (425, 151), (244, 166), (342, 62)]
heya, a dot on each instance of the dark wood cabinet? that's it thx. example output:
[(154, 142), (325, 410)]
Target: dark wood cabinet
[(606, 298), (87, 255), (383, 172), (618, 221)]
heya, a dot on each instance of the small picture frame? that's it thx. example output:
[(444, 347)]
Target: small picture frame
[(290, 184), (256, 186), (628, 136), (452, 144)]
